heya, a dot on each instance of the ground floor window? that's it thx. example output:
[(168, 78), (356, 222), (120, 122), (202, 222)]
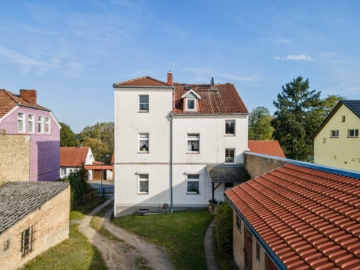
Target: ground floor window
[(27, 241), (63, 171), (143, 184), (193, 184), (229, 155)]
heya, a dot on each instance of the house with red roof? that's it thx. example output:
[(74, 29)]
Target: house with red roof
[(73, 158), (176, 144), (20, 114), (266, 147), (297, 215)]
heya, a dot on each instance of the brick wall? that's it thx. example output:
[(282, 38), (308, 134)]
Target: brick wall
[(238, 246), (257, 164), (51, 224), (14, 157)]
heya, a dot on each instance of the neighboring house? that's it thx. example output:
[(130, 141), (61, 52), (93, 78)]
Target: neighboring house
[(296, 216), (34, 217), (266, 147), (337, 142), (176, 144), (20, 114), (14, 157), (73, 158)]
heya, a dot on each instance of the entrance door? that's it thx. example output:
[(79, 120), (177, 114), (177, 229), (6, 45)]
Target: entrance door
[(248, 249), (97, 175)]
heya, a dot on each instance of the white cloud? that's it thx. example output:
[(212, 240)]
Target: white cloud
[(291, 57), (273, 40)]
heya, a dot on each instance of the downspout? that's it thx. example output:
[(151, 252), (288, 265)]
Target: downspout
[(171, 162)]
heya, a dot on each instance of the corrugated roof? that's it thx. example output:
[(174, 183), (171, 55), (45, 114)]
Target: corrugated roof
[(19, 199), (73, 156), (266, 147), (219, 98), (142, 81), (309, 218), (9, 100)]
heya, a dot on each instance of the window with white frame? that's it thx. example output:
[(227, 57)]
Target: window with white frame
[(144, 103), (193, 143), (47, 125), (230, 127), (40, 124), (143, 183), (27, 239), (353, 133), (31, 124), (190, 104), (229, 155), (334, 133), (192, 184), (63, 171), (144, 142), (21, 122)]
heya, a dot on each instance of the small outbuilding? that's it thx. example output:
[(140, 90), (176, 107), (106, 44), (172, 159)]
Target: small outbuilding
[(34, 217)]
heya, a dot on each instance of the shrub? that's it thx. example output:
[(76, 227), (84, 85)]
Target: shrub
[(224, 229), (78, 186)]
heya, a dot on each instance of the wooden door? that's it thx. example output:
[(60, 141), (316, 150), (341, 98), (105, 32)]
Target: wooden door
[(248, 249), (269, 263), (96, 175)]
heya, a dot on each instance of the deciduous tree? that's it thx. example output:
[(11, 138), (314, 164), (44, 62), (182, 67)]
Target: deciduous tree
[(67, 136), (260, 124)]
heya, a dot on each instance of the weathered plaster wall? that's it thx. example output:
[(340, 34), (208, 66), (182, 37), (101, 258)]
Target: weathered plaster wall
[(44, 148), (257, 164), (51, 223), (238, 246), (14, 157)]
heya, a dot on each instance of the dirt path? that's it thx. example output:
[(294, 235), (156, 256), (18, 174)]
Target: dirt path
[(131, 253)]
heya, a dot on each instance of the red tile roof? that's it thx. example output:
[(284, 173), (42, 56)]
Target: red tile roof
[(268, 147), (309, 218), (99, 167), (219, 98), (141, 81), (73, 156), (9, 100)]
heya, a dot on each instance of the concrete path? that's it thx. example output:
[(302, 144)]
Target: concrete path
[(123, 254), (209, 247)]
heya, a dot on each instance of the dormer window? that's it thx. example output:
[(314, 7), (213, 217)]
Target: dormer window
[(190, 104), (191, 99)]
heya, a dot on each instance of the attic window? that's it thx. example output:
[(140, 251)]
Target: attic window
[(190, 104), (343, 118)]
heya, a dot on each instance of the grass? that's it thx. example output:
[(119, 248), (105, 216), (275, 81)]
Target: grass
[(79, 212), (75, 253), (181, 233)]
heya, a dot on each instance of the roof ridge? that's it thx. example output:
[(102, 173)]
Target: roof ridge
[(10, 94), (139, 78)]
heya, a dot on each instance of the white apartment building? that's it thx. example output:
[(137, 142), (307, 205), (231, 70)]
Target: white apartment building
[(176, 144)]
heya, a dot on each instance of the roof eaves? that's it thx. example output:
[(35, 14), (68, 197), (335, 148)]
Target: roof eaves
[(261, 241)]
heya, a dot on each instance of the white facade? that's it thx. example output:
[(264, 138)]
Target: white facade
[(146, 179), (65, 171)]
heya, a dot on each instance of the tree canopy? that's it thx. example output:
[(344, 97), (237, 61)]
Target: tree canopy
[(100, 137), (260, 124), (67, 136), (298, 115)]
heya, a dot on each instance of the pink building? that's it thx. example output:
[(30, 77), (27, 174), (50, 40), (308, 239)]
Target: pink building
[(20, 114)]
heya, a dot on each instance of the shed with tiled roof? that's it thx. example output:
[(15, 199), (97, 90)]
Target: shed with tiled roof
[(304, 216), (74, 156)]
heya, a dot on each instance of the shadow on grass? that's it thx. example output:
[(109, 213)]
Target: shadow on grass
[(80, 211), (73, 253)]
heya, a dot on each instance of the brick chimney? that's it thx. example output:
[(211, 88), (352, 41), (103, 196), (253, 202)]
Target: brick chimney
[(28, 95), (169, 78)]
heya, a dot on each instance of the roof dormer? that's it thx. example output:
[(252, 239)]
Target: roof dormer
[(191, 101)]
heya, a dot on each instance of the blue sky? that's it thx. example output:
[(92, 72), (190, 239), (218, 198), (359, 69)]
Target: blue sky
[(72, 52)]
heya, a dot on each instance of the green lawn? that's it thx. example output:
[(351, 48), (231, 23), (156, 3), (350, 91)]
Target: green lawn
[(79, 212), (75, 253), (181, 233)]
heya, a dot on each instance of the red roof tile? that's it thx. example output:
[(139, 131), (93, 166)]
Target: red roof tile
[(99, 167), (304, 214), (268, 147), (73, 156), (9, 100), (219, 98), (141, 81)]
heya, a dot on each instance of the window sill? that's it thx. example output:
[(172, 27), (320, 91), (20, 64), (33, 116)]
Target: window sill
[(192, 193), (143, 152), (143, 111), (353, 137), (335, 137), (229, 135), (193, 152), (143, 193), (229, 163)]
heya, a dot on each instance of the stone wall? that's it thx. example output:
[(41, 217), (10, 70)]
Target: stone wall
[(257, 264), (51, 226), (14, 157), (257, 164), (238, 246)]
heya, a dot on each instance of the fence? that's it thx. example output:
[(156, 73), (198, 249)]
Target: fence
[(106, 192), (92, 193)]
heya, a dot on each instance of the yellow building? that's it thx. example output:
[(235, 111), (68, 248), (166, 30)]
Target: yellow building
[(337, 142)]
